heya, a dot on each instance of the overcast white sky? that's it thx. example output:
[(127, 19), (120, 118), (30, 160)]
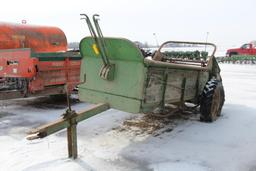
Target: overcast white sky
[(229, 22)]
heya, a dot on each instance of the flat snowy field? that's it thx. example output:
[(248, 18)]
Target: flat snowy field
[(113, 141)]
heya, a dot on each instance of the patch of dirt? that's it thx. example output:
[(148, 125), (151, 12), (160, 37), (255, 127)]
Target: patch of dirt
[(53, 103), (148, 124)]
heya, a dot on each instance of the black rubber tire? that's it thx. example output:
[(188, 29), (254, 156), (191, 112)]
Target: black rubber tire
[(212, 100)]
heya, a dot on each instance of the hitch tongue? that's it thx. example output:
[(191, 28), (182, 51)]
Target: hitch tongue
[(32, 136), (69, 121)]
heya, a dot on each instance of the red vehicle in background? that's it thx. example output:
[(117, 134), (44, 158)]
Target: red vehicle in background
[(34, 61), (245, 49)]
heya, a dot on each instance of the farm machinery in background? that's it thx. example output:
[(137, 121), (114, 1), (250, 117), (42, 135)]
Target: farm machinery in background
[(246, 54), (115, 74), (34, 61)]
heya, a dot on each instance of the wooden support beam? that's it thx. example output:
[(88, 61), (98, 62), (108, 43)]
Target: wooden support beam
[(69, 121), (72, 141)]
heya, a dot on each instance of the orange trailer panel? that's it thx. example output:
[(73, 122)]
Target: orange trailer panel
[(38, 38)]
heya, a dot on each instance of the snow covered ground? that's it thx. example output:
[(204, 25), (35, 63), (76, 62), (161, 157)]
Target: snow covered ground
[(105, 143)]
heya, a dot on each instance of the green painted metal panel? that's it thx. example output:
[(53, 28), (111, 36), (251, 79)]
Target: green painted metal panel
[(117, 49), (128, 78), (56, 56), (118, 102), (126, 91), (53, 56)]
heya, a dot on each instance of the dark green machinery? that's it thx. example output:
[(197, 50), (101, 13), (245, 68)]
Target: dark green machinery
[(241, 59), (115, 74)]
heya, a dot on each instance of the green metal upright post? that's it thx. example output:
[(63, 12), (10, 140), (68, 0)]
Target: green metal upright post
[(72, 139)]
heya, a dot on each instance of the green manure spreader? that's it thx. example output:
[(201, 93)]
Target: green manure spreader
[(142, 85), (116, 74)]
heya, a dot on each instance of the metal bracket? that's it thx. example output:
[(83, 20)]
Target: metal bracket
[(107, 72)]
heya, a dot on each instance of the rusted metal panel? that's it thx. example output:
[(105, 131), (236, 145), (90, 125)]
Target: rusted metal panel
[(173, 89), (39, 74), (36, 56), (17, 63), (38, 38)]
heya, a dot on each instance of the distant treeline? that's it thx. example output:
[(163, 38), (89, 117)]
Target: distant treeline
[(73, 45)]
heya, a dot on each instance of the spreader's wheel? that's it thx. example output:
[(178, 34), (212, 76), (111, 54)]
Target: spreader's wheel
[(212, 100)]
